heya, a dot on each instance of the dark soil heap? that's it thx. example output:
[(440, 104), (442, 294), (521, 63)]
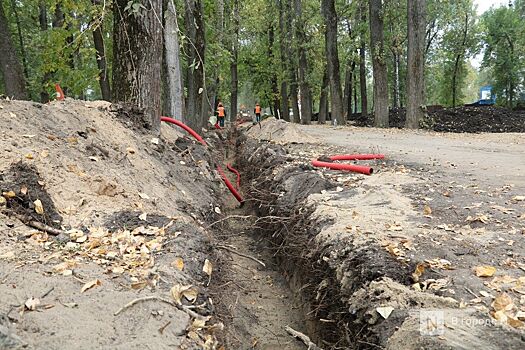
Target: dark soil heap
[(471, 119)]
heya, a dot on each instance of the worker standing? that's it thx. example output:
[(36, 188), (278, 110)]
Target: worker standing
[(257, 112), (221, 114)]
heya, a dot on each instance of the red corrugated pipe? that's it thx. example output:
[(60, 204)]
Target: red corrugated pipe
[(357, 156), (185, 127), (229, 185), (60, 93), (236, 172), (346, 167)]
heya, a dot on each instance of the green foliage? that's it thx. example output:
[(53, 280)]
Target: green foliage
[(504, 31)]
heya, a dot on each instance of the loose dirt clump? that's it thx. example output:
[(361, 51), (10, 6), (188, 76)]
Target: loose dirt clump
[(21, 187), (466, 119)]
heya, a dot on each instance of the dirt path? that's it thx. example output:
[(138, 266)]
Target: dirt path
[(494, 158)]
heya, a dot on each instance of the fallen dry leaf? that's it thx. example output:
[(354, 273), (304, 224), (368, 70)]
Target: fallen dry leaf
[(518, 198), (31, 304), (23, 190), (420, 269), (208, 267), (29, 156), (503, 302), (90, 285), (178, 263), (143, 216), (39, 208), (385, 311), (179, 291), (427, 210), (485, 271), (44, 153), (9, 194)]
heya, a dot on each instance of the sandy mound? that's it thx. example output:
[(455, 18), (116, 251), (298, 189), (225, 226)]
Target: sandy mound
[(129, 207), (279, 131)]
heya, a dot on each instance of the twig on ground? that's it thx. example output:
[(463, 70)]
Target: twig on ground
[(241, 254), (471, 292), (43, 227), (184, 308), (47, 293), (303, 337), (161, 329), (229, 217)]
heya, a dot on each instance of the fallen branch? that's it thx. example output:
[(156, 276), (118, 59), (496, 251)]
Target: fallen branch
[(184, 308), (40, 226), (304, 338), (241, 254)]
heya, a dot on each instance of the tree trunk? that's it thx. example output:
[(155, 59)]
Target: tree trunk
[(362, 80), (347, 100), (457, 63), (416, 14), (292, 64), (285, 112), (20, 40), (355, 92), (173, 92), (273, 82), (234, 64), (332, 58), (195, 49), (103, 78), (306, 96), (395, 92), (12, 72), (137, 48), (379, 64), (323, 99), (42, 19)]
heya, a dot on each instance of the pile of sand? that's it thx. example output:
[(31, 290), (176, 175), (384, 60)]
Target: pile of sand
[(279, 131)]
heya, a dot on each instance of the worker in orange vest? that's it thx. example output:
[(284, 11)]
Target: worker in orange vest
[(221, 114), (257, 112)]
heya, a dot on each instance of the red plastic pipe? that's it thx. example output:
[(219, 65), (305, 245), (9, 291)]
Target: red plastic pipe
[(60, 93), (357, 156), (229, 185), (346, 167), (236, 172), (185, 127)]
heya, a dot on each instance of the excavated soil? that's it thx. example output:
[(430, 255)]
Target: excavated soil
[(466, 119)]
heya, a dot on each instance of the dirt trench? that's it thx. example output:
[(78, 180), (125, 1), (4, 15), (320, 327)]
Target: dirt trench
[(296, 287)]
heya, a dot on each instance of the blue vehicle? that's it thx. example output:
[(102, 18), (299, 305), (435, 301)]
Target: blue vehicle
[(486, 97)]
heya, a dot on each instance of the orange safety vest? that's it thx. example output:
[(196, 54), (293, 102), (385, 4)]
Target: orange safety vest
[(257, 109), (221, 111)]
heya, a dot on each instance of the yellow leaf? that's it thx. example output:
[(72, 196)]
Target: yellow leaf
[(3, 201), (39, 208), (427, 210), (90, 285), (23, 190), (29, 156), (208, 267), (9, 194), (420, 269), (178, 263), (503, 302), (485, 271), (44, 153), (179, 291)]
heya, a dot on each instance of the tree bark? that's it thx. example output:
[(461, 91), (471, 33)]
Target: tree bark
[(457, 62), (362, 80), (416, 13), (323, 99), (273, 82), (292, 64), (332, 58), (98, 40), (20, 40), (306, 96), (137, 48), (234, 64), (195, 75), (42, 19), (347, 100), (173, 91), (12, 72), (285, 112), (379, 64)]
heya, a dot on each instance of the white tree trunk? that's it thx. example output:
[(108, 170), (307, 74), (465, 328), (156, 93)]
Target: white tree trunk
[(175, 93)]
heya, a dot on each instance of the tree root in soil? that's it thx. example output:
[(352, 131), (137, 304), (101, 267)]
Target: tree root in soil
[(303, 337), (186, 309)]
